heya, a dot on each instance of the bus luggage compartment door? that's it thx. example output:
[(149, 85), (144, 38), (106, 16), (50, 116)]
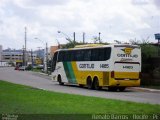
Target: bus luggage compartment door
[(126, 71)]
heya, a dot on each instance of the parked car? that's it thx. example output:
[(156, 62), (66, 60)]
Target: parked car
[(40, 66), (23, 68), (16, 68)]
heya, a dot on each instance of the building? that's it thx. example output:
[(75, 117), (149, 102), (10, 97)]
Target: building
[(53, 49), (40, 53), (0, 52), (17, 56)]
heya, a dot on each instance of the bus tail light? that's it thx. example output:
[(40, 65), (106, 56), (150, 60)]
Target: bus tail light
[(112, 74)]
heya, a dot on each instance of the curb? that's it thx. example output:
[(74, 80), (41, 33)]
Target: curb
[(44, 74), (40, 73), (144, 89)]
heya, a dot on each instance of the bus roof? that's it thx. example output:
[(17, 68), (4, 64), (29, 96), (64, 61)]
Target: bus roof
[(89, 46)]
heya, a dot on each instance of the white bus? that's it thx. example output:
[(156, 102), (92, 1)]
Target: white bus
[(96, 66)]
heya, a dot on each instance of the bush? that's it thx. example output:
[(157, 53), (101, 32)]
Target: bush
[(29, 67), (149, 50), (156, 73)]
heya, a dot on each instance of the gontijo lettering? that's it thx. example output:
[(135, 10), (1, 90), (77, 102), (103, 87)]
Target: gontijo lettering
[(127, 55), (86, 66)]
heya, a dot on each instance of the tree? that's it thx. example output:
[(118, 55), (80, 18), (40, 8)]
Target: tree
[(148, 52), (70, 44)]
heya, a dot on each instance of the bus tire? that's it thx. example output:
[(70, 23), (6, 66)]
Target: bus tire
[(96, 84), (121, 89), (60, 80), (89, 83)]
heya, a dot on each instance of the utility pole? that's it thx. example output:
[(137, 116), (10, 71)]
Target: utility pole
[(25, 48), (99, 37), (23, 56), (46, 62), (32, 57), (45, 55), (83, 37)]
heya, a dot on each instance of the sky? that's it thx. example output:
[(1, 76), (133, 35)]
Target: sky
[(122, 20)]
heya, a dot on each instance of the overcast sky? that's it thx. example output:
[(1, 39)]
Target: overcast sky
[(115, 19)]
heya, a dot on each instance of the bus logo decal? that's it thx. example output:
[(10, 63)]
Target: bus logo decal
[(128, 53), (127, 50)]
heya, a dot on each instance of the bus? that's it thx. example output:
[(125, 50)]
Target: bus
[(114, 66)]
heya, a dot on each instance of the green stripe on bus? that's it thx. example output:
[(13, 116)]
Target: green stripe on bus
[(73, 78), (69, 72)]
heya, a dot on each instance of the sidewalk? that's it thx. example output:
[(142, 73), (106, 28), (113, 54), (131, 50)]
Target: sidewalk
[(144, 89), (41, 74), (44, 74)]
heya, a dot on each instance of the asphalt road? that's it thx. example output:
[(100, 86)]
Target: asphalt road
[(44, 82)]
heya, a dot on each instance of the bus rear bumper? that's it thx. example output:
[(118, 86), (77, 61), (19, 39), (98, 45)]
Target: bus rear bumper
[(126, 83)]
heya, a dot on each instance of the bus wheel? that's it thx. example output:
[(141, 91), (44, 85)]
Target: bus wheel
[(122, 89), (96, 84), (60, 80), (112, 88), (89, 83)]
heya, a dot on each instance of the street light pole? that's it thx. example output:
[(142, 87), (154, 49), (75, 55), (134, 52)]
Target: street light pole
[(67, 37), (73, 42), (45, 55)]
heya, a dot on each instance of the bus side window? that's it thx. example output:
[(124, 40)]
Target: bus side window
[(87, 55), (64, 57), (79, 55), (54, 60), (60, 56), (107, 53), (94, 54), (67, 56), (101, 54), (73, 54)]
